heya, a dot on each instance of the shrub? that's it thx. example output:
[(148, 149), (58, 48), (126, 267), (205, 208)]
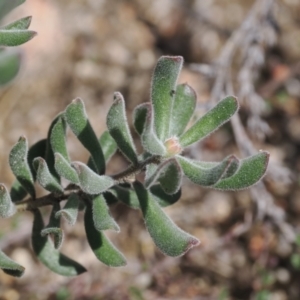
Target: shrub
[(161, 126)]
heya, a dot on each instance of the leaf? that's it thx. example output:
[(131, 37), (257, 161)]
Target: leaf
[(104, 250), (23, 23), (110, 198), (126, 196), (118, 128), (50, 257), (15, 37), (36, 150), (9, 266), (139, 117), (58, 138), (77, 119), (64, 169), (162, 92), (7, 208), (168, 174), (108, 145), (19, 165), (70, 210), (90, 182), (7, 5), (101, 216), (17, 192), (183, 108), (149, 139), (210, 122), (9, 65), (53, 228), (250, 171), (49, 156), (205, 176), (162, 198), (45, 178), (169, 238)]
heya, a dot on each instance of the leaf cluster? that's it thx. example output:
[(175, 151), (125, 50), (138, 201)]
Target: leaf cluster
[(165, 127)]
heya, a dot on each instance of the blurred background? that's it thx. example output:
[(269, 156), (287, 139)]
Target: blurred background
[(91, 48)]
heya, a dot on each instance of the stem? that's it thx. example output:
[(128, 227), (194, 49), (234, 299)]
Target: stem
[(50, 199)]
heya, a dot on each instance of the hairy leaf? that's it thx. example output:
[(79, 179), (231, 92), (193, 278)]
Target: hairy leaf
[(45, 178), (7, 208), (139, 117), (210, 122), (9, 266), (90, 182), (126, 196), (9, 65), (110, 198), (20, 24), (104, 250), (168, 174), (15, 37), (118, 128), (70, 210), (36, 150), (162, 198), (169, 238), (64, 169), (19, 165), (162, 92), (149, 139), (58, 138), (183, 108), (250, 171), (205, 176), (77, 119), (48, 255), (101, 216), (53, 227), (17, 192)]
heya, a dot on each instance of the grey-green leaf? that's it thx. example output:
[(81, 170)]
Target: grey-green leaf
[(118, 128), (9, 65), (163, 89), (9, 266), (90, 182), (70, 210), (101, 216), (126, 196), (58, 138), (162, 198), (48, 255), (169, 238), (77, 119), (183, 108), (17, 192), (205, 176), (23, 23), (104, 250), (250, 171), (36, 150), (53, 227), (64, 169), (149, 139), (168, 174), (210, 122), (45, 178), (15, 37), (139, 117), (19, 165), (7, 208)]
